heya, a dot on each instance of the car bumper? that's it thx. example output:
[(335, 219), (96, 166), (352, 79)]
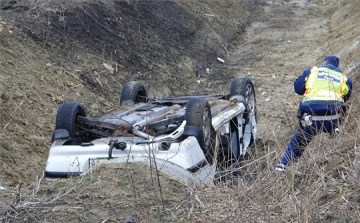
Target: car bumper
[(183, 161)]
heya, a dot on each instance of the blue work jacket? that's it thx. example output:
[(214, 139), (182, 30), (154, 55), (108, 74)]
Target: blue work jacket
[(320, 107)]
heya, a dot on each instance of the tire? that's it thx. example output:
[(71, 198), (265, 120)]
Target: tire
[(66, 117), (243, 86), (133, 92), (198, 114)]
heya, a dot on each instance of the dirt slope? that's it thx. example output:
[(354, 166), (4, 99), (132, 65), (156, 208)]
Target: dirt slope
[(56, 51)]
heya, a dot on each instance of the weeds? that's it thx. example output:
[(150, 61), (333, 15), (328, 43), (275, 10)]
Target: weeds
[(322, 187)]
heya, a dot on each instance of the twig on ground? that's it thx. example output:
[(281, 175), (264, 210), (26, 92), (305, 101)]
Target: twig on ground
[(191, 210), (37, 183), (105, 220), (68, 72), (198, 200)]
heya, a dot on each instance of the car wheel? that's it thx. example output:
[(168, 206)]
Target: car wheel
[(66, 117), (133, 92), (198, 114), (244, 87)]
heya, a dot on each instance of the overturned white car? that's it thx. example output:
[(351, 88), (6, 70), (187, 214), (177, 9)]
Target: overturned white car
[(188, 138)]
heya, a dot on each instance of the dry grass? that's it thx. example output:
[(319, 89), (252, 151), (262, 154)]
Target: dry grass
[(321, 187)]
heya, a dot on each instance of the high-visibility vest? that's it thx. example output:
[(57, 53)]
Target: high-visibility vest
[(325, 84)]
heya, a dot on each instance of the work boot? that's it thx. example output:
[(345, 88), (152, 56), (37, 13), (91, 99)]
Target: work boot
[(280, 167)]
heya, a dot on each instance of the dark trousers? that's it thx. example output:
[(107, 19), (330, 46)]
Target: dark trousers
[(304, 135)]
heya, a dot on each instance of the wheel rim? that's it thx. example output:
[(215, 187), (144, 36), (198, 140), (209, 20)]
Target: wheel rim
[(206, 128), (250, 100)]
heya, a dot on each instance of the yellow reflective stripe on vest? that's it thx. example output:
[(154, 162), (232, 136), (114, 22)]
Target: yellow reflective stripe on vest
[(325, 84), (344, 88), (322, 93), (311, 78)]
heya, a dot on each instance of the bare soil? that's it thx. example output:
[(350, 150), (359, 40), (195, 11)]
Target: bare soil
[(54, 51)]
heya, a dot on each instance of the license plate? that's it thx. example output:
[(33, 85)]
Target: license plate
[(94, 161)]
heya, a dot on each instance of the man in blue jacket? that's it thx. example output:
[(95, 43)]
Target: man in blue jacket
[(325, 89)]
